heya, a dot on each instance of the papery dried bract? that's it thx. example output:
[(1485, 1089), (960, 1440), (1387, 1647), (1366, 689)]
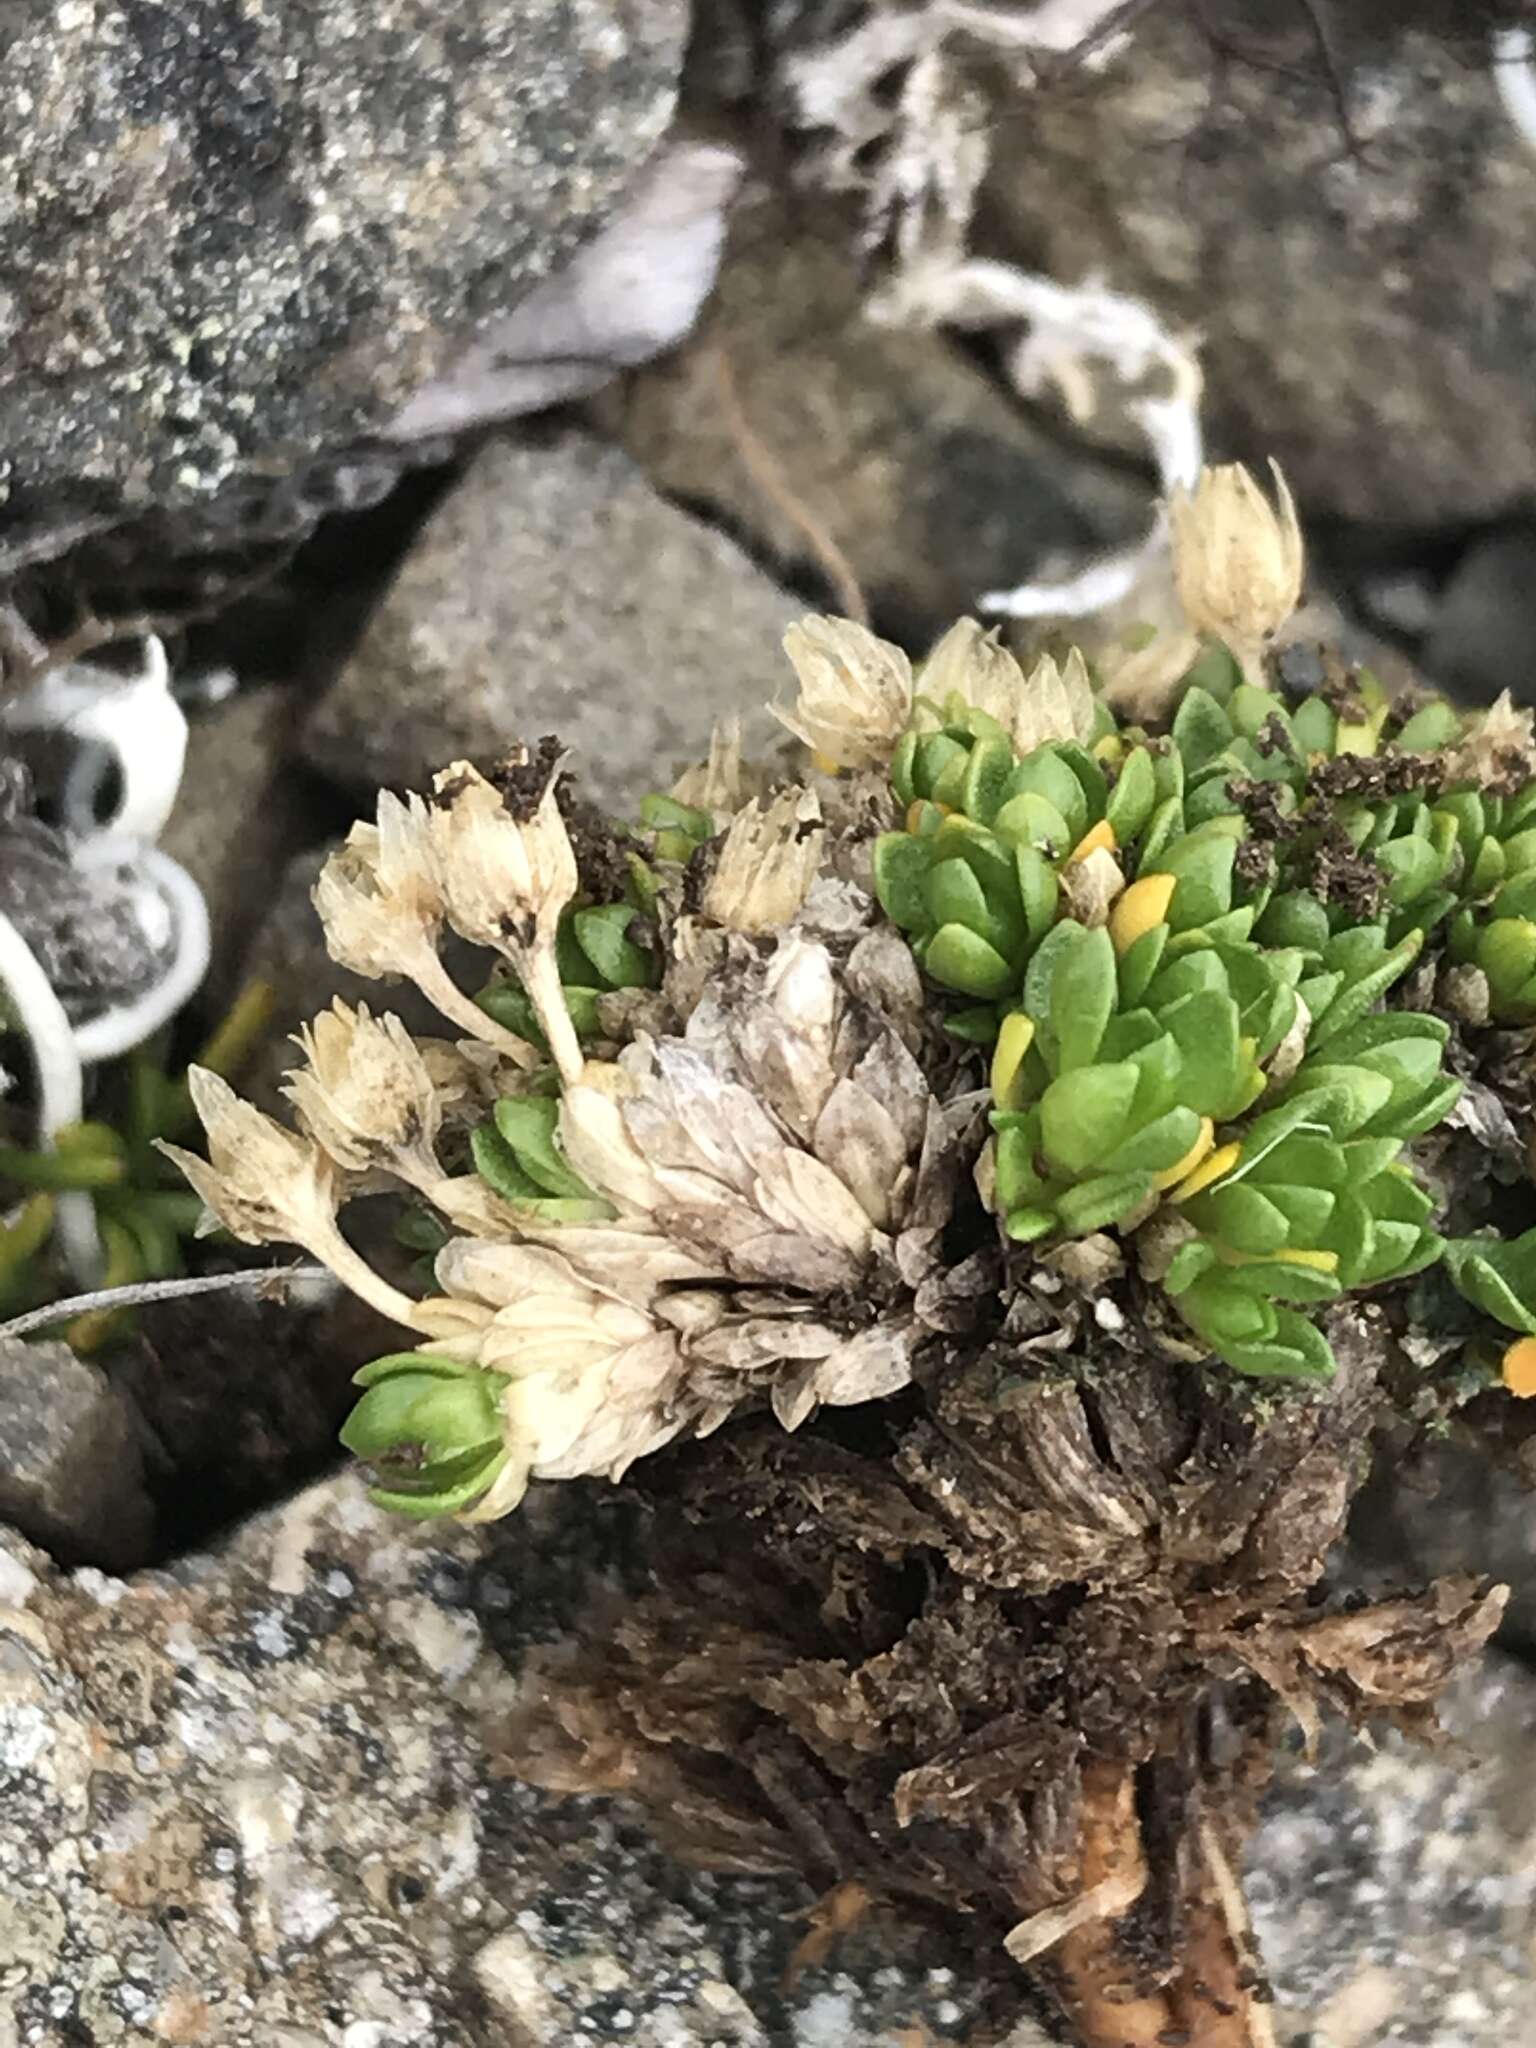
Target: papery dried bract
[(593, 1381), (1501, 739), (508, 870), (366, 1095), (1238, 561), (855, 692), (265, 1184), (723, 782), (379, 896), (770, 858), (1051, 702)]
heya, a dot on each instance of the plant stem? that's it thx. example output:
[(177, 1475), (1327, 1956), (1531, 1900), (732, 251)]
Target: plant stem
[(437, 985), (540, 976), (1205, 2003)]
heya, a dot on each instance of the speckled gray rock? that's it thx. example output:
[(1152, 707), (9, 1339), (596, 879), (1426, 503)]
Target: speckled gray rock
[(71, 1462), (1394, 1890), (255, 1801), (1485, 620), (1448, 1506), (252, 1803), (932, 482), (234, 232), (554, 591), (1368, 317)]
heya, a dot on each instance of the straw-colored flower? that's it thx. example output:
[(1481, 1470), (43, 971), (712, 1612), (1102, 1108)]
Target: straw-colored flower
[(769, 860), (507, 865), (593, 1382), (1501, 737), (380, 899), (379, 896), (723, 782), (267, 1185), (1238, 561), (1050, 703), (508, 870), (855, 692), (366, 1095)]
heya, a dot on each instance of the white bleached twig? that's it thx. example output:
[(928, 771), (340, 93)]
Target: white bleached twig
[(60, 1086), (1073, 335), (273, 1278), (1514, 75)]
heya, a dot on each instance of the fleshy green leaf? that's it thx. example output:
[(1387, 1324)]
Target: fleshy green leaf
[(1083, 993), (1201, 728), (1083, 1114), (960, 960), (1096, 1204), (528, 1125), (900, 865)]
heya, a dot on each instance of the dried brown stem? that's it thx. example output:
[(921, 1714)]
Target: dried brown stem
[(767, 474), (1207, 2002)]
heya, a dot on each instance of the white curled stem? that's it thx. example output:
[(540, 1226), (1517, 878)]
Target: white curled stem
[(118, 1031), (60, 1088), (1514, 76), (1071, 334)]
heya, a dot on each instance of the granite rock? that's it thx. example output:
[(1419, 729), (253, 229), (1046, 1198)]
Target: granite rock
[(257, 1800), (71, 1459), (236, 233), (1393, 1888), (554, 591), (1366, 298), (254, 1802)]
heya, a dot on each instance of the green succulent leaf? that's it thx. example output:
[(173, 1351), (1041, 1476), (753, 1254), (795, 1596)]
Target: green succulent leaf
[(1083, 992), (901, 865), (1201, 729), (528, 1124), (602, 934), (962, 960), (1083, 1114)]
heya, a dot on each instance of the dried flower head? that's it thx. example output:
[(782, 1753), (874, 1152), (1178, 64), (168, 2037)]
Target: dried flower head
[(1499, 743), (379, 896), (770, 858), (722, 783), (506, 860), (265, 1184), (1237, 560), (592, 1381), (855, 692), (508, 870), (367, 1096), (1050, 703)]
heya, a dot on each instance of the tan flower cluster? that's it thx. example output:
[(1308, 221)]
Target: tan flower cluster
[(1238, 561), (776, 1172), (1050, 702)]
